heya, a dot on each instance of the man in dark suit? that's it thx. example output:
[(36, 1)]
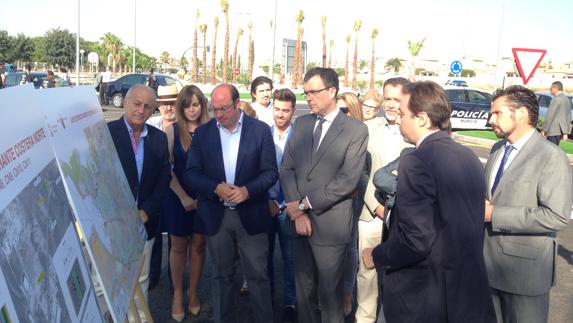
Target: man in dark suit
[(529, 197), (231, 166), (321, 166), (433, 253), (142, 151), (557, 124)]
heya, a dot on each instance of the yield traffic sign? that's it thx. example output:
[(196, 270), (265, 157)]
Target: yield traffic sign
[(527, 60)]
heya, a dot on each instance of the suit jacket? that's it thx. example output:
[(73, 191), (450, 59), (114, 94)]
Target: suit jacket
[(433, 254), (531, 202), (329, 179), (378, 148), (156, 172), (256, 169), (558, 119)]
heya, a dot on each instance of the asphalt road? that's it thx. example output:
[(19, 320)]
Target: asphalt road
[(561, 309)]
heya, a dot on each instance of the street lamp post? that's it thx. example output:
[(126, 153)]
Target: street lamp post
[(82, 58)]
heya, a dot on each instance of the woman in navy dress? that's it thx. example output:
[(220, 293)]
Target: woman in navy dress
[(178, 210)]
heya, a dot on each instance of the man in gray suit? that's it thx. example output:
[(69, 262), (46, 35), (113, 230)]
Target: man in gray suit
[(558, 120), (528, 199), (321, 166)]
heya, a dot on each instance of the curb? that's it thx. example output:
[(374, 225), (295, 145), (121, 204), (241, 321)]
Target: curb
[(485, 142)]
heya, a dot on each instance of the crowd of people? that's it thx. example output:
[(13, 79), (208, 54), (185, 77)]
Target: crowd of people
[(368, 198)]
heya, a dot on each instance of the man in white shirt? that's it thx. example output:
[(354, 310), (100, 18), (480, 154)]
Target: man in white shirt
[(284, 101), (261, 93)]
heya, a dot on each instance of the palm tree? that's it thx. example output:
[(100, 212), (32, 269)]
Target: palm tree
[(414, 48), (239, 34), (113, 45), (164, 58), (373, 60), (225, 9), (357, 26), (251, 56), (347, 39), (298, 57), (300, 60), (214, 54), (203, 30), (195, 71), (323, 22), (330, 50), (393, 63)]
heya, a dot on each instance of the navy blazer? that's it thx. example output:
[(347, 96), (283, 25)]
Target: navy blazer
[(156, 172), (433, 254), (256, 169)]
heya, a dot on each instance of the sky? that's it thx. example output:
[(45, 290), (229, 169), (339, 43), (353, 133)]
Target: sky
[(453, 29)]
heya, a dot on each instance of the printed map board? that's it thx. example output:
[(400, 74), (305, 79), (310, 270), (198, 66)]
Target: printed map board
[(43, 273), (97, 189)]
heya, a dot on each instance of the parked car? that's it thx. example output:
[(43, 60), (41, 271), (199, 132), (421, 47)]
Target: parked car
[(544, 99), (470, 108), (117, 89), (38, 78), (461, 83)]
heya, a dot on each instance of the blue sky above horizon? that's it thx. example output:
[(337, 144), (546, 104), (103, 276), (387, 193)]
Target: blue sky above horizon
[(453, 29)]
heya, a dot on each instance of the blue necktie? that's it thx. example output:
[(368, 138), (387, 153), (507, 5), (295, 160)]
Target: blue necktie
[(506, 154)]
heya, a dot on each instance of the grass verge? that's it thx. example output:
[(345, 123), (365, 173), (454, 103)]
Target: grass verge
[(567, 146)]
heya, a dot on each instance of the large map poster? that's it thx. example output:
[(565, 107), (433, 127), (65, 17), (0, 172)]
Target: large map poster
[(43, 273), (98, 190)]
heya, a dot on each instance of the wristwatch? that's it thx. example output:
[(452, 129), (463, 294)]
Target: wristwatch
[(301, 205)]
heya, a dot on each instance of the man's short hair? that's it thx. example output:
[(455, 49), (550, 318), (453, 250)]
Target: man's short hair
[(234, 92), (138, 86), (429, 97), (285, 95), (258, 81), (558, 85), (327, 75), (395, 81), (518, 96)]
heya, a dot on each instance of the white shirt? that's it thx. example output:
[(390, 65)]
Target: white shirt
[(265, 114), (392, 135), (424, 137), (328, 119), (230, 146), (106, 77), (156, 121), (517, 146), (280, 144)]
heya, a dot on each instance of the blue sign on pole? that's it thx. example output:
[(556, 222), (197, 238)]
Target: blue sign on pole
[(456, 67)]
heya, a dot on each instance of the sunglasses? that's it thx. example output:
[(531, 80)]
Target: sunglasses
[(344, 110)]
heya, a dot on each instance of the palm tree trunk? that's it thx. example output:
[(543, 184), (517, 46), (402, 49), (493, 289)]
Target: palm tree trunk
[(294, 80), (251, 57), (300, 58), (195, 71), (372, 64), (226, 51), (235, 60), (214, 54), (205, 57), (355, 63), (330, 56)]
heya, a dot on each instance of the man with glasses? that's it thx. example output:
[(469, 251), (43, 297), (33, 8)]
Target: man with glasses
[(321, 167), (142, 151), (231, 166), (384, 146)]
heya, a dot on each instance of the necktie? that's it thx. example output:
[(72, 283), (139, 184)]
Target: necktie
[(317, 134), (506, 154)]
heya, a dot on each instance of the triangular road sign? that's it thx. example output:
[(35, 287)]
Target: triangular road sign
[(527, 60)]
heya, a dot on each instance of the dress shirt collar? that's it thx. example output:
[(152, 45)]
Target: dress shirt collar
[(518, 145), (331, 116), (130, 129), (425, 136), (238, 125)]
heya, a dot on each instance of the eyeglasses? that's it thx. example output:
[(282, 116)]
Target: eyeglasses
[(314, 92), (223, 109), (368, 107), (344, 110)]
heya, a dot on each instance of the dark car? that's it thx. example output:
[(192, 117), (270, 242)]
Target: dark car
[(38, 78), (117, 89), (470, 108), (461, 83)]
